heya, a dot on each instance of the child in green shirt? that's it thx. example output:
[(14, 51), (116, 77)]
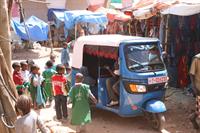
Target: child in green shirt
[(47, 74), (79, 95)]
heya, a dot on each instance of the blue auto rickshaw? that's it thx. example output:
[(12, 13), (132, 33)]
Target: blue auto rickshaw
[(143, 75)]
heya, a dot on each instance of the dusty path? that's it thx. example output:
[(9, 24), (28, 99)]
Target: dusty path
[(107, 122), (179, 107)]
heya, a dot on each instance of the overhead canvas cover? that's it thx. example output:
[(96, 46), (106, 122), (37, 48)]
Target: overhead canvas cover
[(183, 9), (83, 16), (37, 29)]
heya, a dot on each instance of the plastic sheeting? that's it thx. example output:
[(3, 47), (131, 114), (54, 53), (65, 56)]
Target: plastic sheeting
[(145, 9), (113, 14), (59, 18), (183, 9), (37, 29), (54, 12), (83, 16)]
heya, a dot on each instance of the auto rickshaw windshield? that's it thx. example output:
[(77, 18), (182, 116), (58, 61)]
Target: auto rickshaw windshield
[(143, 57)]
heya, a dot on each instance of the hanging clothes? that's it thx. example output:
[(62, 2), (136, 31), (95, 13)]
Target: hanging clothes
[(182, 72)]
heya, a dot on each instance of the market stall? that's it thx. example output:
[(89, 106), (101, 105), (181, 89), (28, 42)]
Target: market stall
[(177, 24), (118, 22), (56, 19), (90, 22)]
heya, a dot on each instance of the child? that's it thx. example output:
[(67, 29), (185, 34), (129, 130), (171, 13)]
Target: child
[(65, 55), (59, 90), (36, 90), (53, 59), (24, 71), (29, 120), (25, 74), (47, 75), (79, 95), (30, 63), (17, 78)]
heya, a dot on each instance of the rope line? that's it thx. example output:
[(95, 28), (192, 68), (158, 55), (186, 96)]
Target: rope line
[(10, 93), (4, 39), (4, 122)]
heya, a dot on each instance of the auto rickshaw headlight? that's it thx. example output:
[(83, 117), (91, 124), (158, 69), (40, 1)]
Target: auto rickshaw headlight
[(137, 88)]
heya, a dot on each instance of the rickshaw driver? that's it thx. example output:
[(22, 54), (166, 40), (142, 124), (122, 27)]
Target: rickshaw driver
[(112, 85), (153, 54)]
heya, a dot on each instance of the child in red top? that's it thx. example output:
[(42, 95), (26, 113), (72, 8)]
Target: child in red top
[(60, 93), (17, 78)]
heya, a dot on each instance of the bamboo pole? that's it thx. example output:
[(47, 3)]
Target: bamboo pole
[(50, 39), (8, 96), (7, 76), (107, 3), (23, 19), (10, 3), (166, 32), (7, 105), (5, 32), (2, 126)]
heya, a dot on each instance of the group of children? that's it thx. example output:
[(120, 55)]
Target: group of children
[(52, 83), (29, 81)]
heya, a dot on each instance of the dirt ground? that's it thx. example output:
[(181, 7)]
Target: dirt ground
[(178, 104)]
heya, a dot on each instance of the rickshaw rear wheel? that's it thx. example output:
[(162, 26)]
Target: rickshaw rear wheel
[(157, 120)]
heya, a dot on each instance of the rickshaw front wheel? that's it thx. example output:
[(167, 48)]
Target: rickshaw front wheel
[(157, 120)]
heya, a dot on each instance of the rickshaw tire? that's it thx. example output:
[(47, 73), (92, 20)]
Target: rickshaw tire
[(158, 121)]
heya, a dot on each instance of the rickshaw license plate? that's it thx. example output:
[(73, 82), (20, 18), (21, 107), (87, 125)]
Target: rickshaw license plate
[(156, 80)]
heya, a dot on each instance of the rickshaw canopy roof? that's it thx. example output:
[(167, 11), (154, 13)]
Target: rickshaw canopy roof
[(101, 40)]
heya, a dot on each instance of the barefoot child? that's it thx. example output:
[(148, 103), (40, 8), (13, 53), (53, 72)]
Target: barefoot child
[(79, 95)]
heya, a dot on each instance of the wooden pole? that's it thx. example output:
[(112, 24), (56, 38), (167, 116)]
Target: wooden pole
[(22, 18), (5, 32), (7, 76), (7, 106), (10, 3), (2, 126), (107, 3), (75, 31), (50, 39), (166, 32), (6, 102), (8, 96)]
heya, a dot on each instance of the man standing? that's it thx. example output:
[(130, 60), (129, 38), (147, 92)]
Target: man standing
[(195, 80)]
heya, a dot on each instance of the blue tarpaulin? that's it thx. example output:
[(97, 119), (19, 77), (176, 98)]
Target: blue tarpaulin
[(51, 13), (59, 18), (37, 29), (83, 16)]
